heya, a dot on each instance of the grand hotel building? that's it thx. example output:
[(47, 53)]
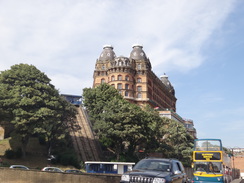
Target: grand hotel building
[(135, 80)]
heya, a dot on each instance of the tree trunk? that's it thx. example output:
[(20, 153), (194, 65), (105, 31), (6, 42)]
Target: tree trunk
[(24, 142)]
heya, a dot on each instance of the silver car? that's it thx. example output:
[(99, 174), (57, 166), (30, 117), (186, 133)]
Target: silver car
[(19, 167), (52, 169)]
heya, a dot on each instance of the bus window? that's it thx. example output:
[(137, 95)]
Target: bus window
[(208, 145), (209, 167)]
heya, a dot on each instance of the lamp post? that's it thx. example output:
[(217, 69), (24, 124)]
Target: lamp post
[(177, 142), (233, 157)]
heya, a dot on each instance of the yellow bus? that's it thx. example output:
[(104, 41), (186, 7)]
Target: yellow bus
[(210, 162)]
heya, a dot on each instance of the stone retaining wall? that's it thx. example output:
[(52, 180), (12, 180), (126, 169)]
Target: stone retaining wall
[(8, 175)]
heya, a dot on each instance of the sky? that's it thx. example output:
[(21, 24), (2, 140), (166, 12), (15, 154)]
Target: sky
[(198, 44)]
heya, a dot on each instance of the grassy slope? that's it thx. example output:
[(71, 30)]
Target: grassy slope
[(36, 154)]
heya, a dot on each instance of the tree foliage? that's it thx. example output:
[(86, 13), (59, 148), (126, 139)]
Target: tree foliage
[(115, 120), (125, 128), (179, 143), (32, 104)]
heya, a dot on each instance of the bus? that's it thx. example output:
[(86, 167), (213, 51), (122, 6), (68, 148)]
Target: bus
[(108, 167), (210, 162)]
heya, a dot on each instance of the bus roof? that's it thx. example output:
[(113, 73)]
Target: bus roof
[(208, 145)]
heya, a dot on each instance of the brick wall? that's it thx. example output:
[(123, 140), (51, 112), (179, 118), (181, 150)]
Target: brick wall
[(24, 176), (239, 163)]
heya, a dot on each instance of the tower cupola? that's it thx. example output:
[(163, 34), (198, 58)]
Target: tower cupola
[(107, 53), (139, 55)]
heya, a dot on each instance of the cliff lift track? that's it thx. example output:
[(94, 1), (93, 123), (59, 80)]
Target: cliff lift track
[(83, 138)]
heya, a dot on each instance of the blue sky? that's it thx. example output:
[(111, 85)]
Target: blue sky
[(198, 44)]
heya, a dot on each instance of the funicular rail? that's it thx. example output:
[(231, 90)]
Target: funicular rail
[(83, 139)]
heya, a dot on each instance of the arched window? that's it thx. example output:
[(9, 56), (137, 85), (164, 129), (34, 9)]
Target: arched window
[(119, 86), (102, 80), (126, 93), (126, 86), (138, 80), (139, 88), (119, 77), (139, 95), (112, 78), (127, 78)]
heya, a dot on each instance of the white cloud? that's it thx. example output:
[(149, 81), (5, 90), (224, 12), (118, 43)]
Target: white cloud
[(59, 35), (70, 84)]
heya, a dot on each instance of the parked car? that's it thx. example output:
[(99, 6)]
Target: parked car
[(52, 169), (73, 171), (156, 170), (19, 167)]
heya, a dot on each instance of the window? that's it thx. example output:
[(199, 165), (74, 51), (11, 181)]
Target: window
[(119, 86), (126, 86), (119, 77), (112, 78), (102, 80), (126, 93), (139, 66), (139, 95), (139, 88), (127, 78), (138, 80)]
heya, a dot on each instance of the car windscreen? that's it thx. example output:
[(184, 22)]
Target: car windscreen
[(153, 165)]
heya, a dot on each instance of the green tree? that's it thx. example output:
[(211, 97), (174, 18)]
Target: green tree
[(95, 99), (118, 123), (179, 142), (158, 132), (124, 127), (32, 104)]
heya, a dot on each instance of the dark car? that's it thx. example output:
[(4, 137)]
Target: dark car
[(73, 171), (156, 170)]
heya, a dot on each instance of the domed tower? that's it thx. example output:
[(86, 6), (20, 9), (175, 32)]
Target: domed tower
[(142, 67), (166, 82), (102, 64), (140, 58), (107, 54)]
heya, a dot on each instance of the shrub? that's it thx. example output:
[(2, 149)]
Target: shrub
[(10, 154), (69, 159)]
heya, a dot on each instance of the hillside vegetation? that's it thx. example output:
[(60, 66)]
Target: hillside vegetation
[(36, 157)]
